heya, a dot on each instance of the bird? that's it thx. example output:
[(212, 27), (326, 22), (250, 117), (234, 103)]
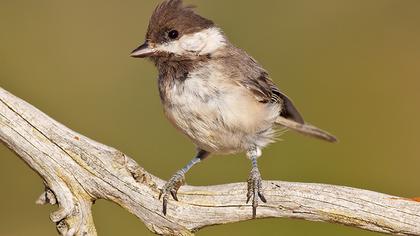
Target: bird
[(216, 94)]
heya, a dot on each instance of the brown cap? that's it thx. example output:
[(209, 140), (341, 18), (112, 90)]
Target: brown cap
[(173, 15)]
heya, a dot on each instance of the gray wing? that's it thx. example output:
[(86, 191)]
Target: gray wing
[(257, 81), (253, 77)]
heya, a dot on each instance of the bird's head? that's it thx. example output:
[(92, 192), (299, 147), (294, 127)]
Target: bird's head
[(177, 32)]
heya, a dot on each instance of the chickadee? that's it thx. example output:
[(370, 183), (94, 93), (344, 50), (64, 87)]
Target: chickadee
[(215, 93)]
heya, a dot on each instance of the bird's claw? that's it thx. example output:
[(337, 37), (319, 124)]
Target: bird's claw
[(171, 188), (255, 190)]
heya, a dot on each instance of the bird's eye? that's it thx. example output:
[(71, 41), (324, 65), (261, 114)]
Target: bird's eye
[(173, 34)]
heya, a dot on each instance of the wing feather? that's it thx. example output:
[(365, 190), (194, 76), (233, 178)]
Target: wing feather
[(252, 76), (258, 82)]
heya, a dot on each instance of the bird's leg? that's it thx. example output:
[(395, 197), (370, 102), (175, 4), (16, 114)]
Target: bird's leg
[(255, 181), (178, 179)]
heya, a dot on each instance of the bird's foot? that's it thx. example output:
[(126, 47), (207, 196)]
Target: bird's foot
[(255, 190), (171, 188)]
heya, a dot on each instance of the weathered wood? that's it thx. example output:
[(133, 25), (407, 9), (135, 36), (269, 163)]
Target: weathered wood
[(77, 170)]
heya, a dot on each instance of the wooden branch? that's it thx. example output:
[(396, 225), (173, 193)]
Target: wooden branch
[(77, 171)]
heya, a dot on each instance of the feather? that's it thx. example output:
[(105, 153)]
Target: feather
[(306, 129)]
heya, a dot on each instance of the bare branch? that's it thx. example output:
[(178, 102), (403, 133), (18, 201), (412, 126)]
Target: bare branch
[(77, 171)]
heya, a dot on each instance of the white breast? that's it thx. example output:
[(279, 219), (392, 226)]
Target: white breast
[(217, 114)]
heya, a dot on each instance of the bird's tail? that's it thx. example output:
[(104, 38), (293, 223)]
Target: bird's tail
[(306, 129)]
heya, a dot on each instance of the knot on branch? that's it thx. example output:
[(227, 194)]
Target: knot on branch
[(47, 197), (139, 173), (74, 215)]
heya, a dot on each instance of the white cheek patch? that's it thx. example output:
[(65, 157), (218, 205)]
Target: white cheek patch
[(172, 47), (193, 42), (201, 43), (213, 39)]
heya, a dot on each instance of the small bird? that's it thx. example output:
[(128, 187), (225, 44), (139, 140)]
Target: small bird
[(215, 93)]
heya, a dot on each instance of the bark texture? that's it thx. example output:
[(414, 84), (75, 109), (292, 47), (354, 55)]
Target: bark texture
[(77, 171)]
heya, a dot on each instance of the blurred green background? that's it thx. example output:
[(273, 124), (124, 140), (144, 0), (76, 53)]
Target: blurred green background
[(351, 66)]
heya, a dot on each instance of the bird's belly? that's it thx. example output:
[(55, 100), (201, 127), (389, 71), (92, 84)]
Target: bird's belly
[(220, 118)]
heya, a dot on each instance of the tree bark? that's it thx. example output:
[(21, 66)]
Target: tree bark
[(77, 171)]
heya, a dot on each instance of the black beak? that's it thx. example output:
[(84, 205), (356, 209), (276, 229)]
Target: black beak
[(142, 51)]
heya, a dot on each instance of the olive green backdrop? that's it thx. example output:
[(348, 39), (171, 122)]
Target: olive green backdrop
[(351, 66)]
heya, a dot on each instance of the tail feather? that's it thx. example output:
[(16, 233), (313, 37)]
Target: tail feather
[(306, 129)]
